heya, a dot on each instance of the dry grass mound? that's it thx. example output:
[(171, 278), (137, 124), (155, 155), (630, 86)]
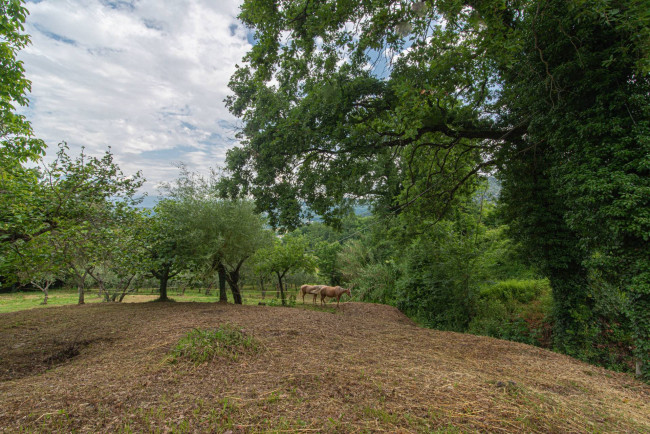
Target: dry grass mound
[(365, 368)]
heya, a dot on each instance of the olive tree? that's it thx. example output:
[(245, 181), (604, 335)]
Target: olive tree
[(286, 254), (197, 230)]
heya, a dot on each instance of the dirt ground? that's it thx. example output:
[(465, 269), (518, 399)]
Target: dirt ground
[(364, 368)]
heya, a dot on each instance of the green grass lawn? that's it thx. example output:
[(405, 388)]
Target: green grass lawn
[(11, 302), (15, 301)]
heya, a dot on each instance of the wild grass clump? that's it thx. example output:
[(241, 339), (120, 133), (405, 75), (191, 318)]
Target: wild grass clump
[(226, 341)]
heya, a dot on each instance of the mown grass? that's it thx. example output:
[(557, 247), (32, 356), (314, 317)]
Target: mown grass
[(17, 301), (363, 370)]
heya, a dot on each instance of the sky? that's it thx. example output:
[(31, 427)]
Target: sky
[(145, 77)]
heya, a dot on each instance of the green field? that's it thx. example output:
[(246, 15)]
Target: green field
[(16, 301)]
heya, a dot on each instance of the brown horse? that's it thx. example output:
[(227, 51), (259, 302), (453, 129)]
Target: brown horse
[(333, 292), (310, 289)]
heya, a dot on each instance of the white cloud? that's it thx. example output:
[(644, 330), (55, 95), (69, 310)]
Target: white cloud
[(146, 77)]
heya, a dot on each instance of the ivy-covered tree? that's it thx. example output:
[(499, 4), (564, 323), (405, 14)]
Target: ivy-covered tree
[(577, 187)]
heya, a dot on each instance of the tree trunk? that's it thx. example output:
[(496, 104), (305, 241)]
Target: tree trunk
[(102, 290), (81, 286), (262, 288), (233, 280), (126, 289), (284, 300), (102, 287), (44, 289), (80, 290), (163, 277), (163, 288), (639, 295), (223, 295)]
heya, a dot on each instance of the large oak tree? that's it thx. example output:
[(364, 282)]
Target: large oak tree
[(404, 101)]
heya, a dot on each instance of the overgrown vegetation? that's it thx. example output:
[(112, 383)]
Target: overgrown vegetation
[(227, 342)]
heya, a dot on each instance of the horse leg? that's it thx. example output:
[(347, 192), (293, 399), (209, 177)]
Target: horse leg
[(303, 297)]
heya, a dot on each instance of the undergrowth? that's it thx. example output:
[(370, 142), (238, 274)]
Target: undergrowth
[(226, 341)]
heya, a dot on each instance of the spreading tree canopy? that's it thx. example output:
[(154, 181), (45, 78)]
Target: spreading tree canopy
[(403, 101)]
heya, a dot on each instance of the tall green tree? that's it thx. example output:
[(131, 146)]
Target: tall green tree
[(72, 200), (170, 243), (19, 216), (289, 253), (231, 233), (344, 99), (242, 233), (16, 135), (212, 234), (83, 197), (118, 253), (38, 263)]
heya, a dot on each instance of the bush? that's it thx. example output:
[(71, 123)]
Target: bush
[(521, 291), (376, 284), (226, 341), (517, 310), (440, 278)]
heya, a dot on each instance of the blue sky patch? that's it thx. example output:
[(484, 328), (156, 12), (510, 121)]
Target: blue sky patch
[(55, 36), (119, 4), (153, 24)]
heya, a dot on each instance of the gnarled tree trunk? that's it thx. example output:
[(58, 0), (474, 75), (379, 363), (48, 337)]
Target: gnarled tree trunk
[(223, 295)]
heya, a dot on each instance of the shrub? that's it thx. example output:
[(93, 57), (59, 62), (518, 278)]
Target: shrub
[(521, 291), (376, 284), (517, 310), (226, 341)]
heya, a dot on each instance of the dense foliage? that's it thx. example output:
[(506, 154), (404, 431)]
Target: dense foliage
[(408, 103)]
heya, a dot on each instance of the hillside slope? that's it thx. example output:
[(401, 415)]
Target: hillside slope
[(103, 368)]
